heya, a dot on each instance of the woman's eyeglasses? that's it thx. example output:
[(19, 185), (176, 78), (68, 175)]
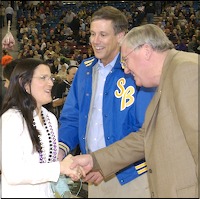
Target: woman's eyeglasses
[(46, 78)]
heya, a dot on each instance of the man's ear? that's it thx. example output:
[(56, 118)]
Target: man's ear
[(120, 36), (148, 51)]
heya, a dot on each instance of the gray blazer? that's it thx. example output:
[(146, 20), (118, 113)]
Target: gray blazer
[(169, 137)]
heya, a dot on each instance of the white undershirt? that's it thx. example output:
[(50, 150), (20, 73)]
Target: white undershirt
[(95, 133)]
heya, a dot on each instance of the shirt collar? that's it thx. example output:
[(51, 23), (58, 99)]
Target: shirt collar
[(109, 66)]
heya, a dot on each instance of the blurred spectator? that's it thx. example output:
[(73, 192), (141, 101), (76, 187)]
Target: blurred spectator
[(77, 56), (71, 71), (158, 7), (9, 14), (54, 67), (30, 54), (149, 11), (182, 20), (2, 15), (49, 59), (37, 55), (61, 88), (73, 63), (83, 39), (43, 45), (46, 55), (61, 36), (7, 71), (42, 15), (75, 26), (63, 62), (82, 25), (57, 95), (90, 52), (67, 30), (51, 50), (45, 24), (193, 45), (6, 58), (69, 17), (37, 48), (57, 29), (65, 50), (58, 88), (62, 72), (181, 45), (138, 14)]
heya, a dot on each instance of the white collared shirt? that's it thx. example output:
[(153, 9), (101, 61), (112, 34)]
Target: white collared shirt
[(95, 133)]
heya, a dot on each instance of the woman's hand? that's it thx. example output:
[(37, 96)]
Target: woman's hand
[(76, 173)]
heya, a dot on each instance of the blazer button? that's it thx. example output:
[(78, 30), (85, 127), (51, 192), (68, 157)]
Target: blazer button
[(150, 171)]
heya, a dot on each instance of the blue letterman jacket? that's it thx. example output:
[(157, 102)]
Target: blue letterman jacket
[(119, 112)]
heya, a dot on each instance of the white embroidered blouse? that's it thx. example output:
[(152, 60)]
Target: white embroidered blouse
[(22, 174)]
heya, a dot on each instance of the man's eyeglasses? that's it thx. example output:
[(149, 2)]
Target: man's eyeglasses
[(124, 59), (46, 78)]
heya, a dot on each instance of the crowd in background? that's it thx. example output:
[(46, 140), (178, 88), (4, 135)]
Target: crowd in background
[(55, 31), (59, 32)]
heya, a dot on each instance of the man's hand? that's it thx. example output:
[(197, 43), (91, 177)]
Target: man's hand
[(84, 161), (94, 177)]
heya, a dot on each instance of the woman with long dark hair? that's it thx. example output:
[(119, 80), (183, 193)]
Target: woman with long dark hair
[(29, 134)]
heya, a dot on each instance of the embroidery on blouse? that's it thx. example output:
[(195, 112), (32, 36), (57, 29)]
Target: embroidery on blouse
[(52, 142)]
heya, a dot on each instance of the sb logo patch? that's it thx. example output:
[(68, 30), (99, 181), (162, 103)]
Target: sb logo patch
[(126, 94)]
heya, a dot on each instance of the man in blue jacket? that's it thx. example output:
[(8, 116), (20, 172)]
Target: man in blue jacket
[(103, 106)]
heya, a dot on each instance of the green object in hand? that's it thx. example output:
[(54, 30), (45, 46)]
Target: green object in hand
[(60, 188)]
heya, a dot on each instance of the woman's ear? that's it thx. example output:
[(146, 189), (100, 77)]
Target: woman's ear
[(26, 87)]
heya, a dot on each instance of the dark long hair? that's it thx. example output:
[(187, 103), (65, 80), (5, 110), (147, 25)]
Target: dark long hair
[(16, 96)]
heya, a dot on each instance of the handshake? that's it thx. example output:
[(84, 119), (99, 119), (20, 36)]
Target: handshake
[(80, 166)]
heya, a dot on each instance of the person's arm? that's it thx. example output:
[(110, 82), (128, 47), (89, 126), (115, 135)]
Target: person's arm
[(69, 123), (122, 153), (113, 158)]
